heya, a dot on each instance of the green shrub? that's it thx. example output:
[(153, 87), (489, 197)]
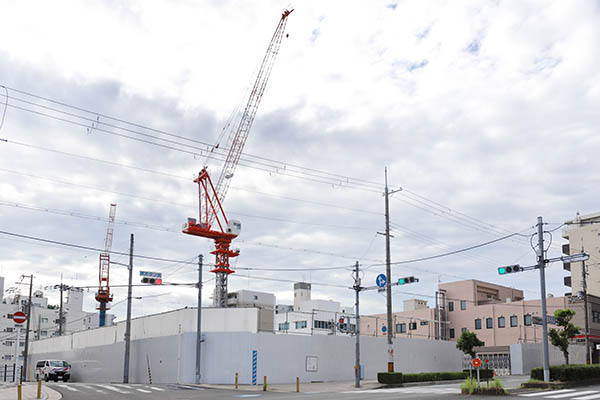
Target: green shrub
[(567, 373), (483, 373), (433, 376), (389, 378), (470, 386)]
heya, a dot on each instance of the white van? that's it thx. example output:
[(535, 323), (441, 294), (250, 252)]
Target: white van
[(52, 369)]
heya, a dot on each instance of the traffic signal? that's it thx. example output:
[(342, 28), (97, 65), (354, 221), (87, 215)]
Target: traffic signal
[(152, 281), (409, 279), (341, 320), (509, 269)]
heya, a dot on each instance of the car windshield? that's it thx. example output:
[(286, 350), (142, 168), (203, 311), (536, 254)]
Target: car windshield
[(59, 364)]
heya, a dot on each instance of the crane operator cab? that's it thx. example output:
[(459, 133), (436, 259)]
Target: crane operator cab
[(234, 227)]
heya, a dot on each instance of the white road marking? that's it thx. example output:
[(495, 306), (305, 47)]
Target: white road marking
[(154, 388), (593, 396), (562, 396), (552, 392), (144, 391), (69, 387), (414, 390), (123, 386), (92, 388), (114, 389)]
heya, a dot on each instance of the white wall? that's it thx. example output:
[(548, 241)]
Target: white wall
[(525, 356)]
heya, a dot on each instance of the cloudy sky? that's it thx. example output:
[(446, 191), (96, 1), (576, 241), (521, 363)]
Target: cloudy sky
[(484, 112)]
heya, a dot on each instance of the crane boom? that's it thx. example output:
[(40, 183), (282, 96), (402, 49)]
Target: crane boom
[(103, 295), (213, 222)]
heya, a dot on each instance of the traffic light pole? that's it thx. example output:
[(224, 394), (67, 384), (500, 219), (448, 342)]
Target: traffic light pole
[(542, 267), (585, 310), (128, 323), (26, 352), (388, 273)]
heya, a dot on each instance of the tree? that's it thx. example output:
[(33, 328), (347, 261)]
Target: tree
[(467, 341), (560, 337)]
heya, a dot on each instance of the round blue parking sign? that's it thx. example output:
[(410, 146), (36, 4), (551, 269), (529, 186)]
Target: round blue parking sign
[(383, 329)]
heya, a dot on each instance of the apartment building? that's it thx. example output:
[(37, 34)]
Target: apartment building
[(583, 233), (499, 315)]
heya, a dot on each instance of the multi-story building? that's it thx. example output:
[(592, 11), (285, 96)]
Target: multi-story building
[(44, 319), (583, 234), (265, 302), (313, 317), (499, 316)]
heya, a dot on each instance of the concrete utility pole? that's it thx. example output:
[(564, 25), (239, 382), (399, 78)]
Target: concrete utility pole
[(542, 267), (128, 323), (585, 310), (26, 352), (388, 273), (357, 289), (60, 309), (199, 322)]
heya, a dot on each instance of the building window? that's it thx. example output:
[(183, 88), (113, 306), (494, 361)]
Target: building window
[(284, 326), (401, 328), (323, 324), (450, 306), (527, 320), (423, 323), (489, 323), (513, 321), (463, 330), (463, 304), (43, 333), (9, 329), (595, 316), (44, 319), (412, 326), (9, 316), (501, 322), (301, 324), (8, 343), (451, 333), (478, 323)]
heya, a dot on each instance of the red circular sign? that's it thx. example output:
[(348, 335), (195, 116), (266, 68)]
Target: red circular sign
[(19, 317), (476, 362)]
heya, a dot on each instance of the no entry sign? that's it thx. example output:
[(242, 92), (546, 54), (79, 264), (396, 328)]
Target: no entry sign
[(19, 317)]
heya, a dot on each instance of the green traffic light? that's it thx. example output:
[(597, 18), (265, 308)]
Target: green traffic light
[(401, 281), (502, 271)]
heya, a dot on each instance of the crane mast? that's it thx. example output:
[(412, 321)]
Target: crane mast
[(213, 222), (103, 295)]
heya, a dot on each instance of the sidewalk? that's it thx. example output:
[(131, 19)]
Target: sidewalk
[(305, 387), (29, 392)]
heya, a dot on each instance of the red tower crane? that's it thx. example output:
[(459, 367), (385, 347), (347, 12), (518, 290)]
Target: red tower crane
[(213, 222), (103, 295)]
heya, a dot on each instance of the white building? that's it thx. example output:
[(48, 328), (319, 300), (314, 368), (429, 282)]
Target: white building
[(44, 319), (313, 317), (264, 302)]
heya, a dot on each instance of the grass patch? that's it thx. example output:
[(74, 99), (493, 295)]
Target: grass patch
[(494, 387)]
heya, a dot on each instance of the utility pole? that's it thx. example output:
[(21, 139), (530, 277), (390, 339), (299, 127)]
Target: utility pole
[(128, 323), (585, 310), (542, 266), (199, 321), (388, 273), (357, 289), (60, 309), (26, 352)]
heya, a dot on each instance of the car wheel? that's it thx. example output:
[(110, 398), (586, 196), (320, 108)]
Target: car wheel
[(55, 378), (46, 378), (66, 379)]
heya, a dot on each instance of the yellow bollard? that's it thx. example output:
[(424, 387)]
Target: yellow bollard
[(265, 384), (236, 380), (19, 393), (39, 393), (297, 384)]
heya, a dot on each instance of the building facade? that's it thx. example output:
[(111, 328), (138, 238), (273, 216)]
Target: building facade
[(313, 317), (583, 234)]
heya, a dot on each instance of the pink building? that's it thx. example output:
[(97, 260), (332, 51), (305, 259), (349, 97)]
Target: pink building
[(499, 315)]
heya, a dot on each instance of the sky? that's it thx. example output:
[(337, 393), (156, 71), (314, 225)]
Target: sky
[(485, 114)]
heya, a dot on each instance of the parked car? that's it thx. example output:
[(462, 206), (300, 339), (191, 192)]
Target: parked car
[(52, 369)]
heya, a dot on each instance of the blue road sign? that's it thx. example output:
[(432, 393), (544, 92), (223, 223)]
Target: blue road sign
[(383, 329), (381, 280)]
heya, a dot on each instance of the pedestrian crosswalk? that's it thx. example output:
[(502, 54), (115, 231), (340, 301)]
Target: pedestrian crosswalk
[(112, 388), (569, 394), (413, 390)]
